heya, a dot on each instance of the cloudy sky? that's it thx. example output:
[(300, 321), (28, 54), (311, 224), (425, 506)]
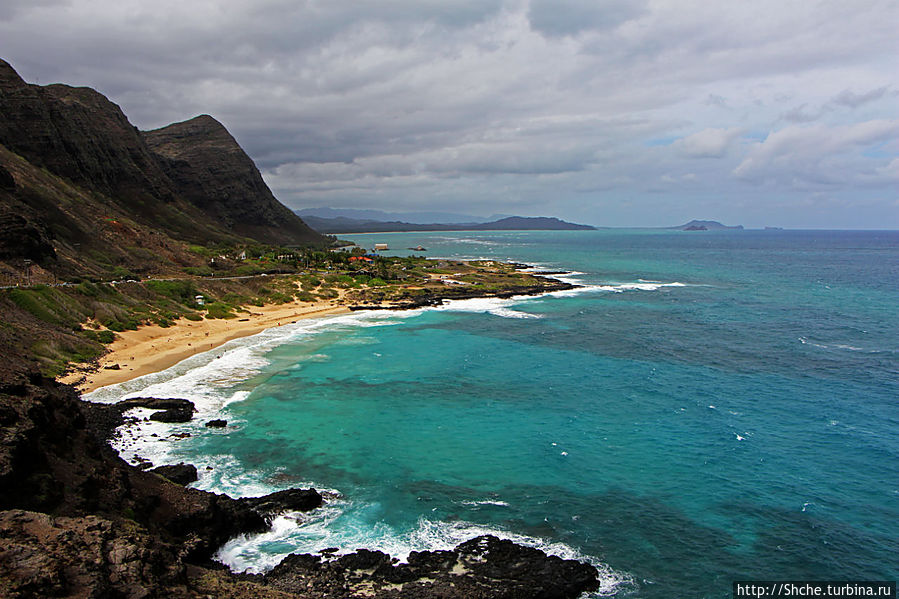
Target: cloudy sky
[(609, 112)]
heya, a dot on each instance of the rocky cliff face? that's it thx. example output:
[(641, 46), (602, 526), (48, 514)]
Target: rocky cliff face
[(213, 172), (78, 134), (195, 183), (77, 521)]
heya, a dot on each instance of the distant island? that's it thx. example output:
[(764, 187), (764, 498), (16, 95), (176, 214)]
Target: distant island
[(344, 224), (700, 225)]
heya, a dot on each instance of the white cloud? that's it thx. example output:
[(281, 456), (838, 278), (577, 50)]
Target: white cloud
[(708, 143), (818, 155), (890, 172)]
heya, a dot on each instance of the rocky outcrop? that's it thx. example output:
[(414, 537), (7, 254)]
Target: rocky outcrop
[(21, 237), (214, 173), (50, 461), (170, 409), (482, 567), (217, 423), (289, 500), (43, 556), (428, 298), (92, 556), (181, 473), (103, 419)]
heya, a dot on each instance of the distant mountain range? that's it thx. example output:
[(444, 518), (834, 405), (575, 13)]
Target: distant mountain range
[(419, 218), (510, 223)]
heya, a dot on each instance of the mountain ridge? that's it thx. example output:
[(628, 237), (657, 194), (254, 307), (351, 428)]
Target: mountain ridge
[(509, 223), (211, 169), (86, 192), (419, 218)]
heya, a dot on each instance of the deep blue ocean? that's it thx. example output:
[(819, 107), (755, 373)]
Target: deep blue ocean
[(709, 407)]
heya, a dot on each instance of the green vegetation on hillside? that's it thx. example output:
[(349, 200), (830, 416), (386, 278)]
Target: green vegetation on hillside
[(70, 322)]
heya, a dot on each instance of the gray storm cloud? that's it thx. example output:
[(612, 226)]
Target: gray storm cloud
[(609, 112)]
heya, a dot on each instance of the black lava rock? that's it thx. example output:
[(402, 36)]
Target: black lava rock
[(290, 500), (182, 474)]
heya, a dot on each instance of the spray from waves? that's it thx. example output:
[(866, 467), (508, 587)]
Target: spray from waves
[(612, 287), (844, 347), (640, 286), (475, 502), (332, 526), (490, 305)]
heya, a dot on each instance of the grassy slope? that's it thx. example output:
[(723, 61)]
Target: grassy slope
[(58, 326)]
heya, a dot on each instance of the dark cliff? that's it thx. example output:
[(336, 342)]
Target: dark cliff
[(82, 137), (213, 172), (194, 185)]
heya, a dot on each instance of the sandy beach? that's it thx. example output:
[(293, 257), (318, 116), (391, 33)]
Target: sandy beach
[(154, 348)]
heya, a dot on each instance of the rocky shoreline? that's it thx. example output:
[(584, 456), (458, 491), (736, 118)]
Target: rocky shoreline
[(78, 521), (429, 298)]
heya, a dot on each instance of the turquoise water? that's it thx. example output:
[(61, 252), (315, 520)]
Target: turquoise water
[(709, 407)]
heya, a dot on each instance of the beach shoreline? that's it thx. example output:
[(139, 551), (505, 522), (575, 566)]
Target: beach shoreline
[(152, 348)]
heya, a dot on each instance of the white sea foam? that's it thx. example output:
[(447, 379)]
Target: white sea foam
[(490, 305), (507, 313), (572, 278), (474, 241), (208, 379), (640, 286), (841, 346), (312, 532), (236, 397), (612, 287), (485, 502), (848, 347)]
